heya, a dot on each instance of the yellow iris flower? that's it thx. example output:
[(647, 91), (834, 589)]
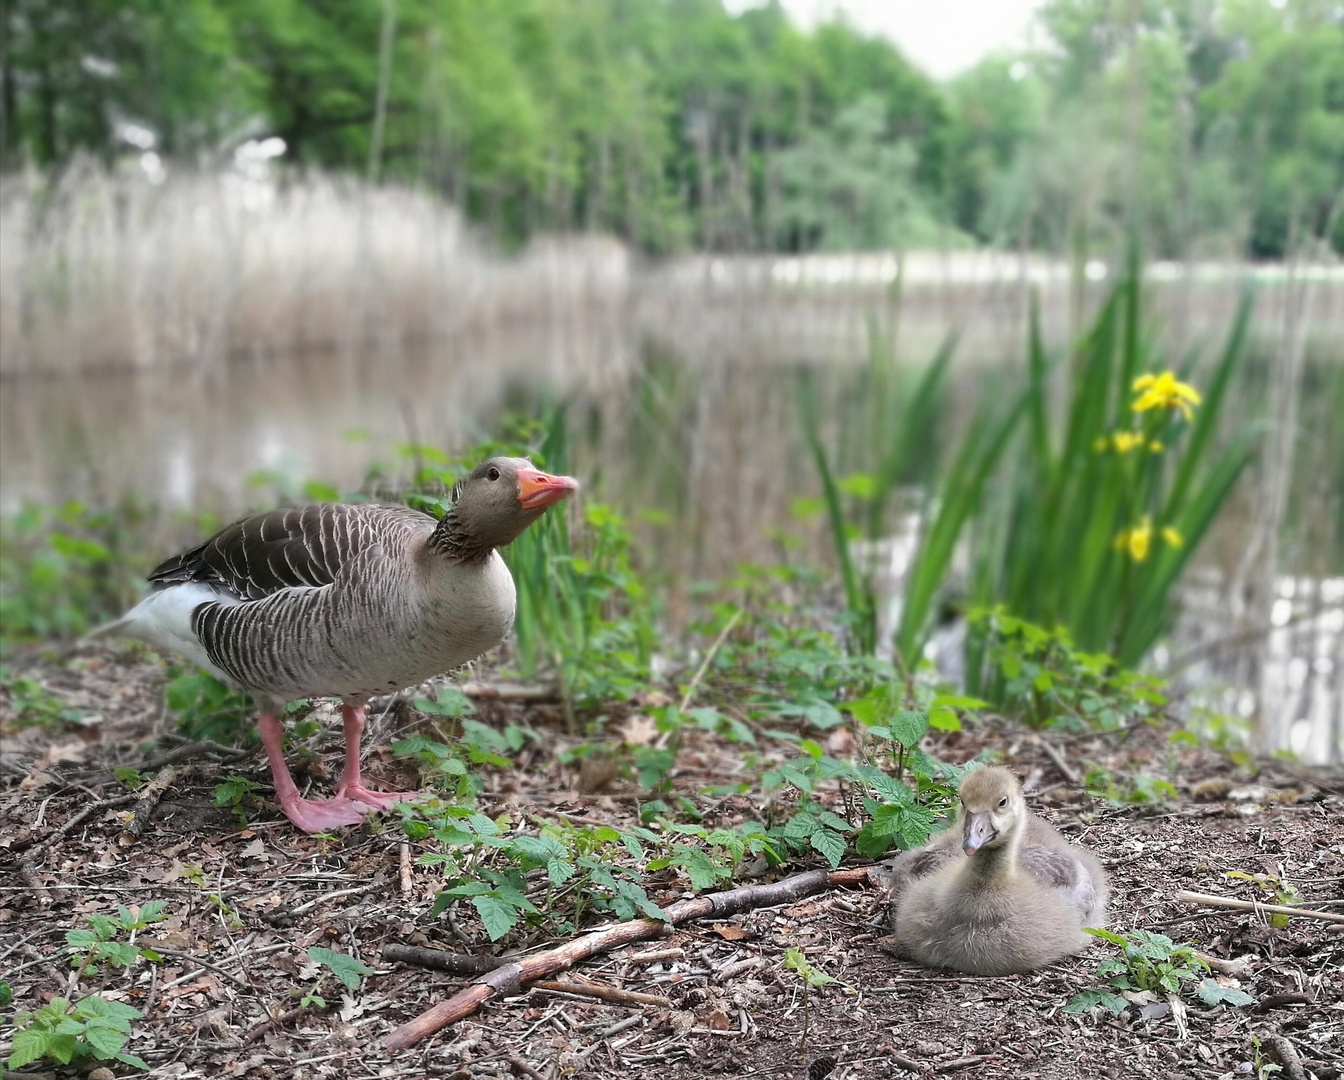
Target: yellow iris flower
[(1136, 541), (1165, 391)]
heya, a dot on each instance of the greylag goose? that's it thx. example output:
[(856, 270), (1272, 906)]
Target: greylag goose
[(345, 600), (999, 892)]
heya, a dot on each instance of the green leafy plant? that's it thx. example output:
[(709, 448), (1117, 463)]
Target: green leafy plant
[(1153, 962), (32, 705), (237, 793), (811, 978), (1097, 524), (344, 967), (206, 708), (900, 430), (100, 945), (63, 1033), (1103, 783), (1036, 675), (66, 568)]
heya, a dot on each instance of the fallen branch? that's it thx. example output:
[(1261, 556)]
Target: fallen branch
[(508, 980), (407, 880), (606, 993), (75, 820), (186, 752), (1286, 1052), (1208, 900), (150, 795), (1066, 770), (509, 692), (442, 960)]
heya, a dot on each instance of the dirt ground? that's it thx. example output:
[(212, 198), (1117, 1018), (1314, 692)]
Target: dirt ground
[(246, 903)]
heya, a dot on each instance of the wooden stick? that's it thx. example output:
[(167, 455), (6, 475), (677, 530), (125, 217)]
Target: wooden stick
[(150, 795), (1209, 900), (1286, 1052), (442, 959), (606, 993), (407, 880), (509, 692), (508, 980), (1066, 770)]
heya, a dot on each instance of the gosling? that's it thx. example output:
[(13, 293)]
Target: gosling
[(1014, 898)]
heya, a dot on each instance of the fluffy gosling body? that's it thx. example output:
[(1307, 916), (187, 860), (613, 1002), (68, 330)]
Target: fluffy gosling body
[(998, 893)]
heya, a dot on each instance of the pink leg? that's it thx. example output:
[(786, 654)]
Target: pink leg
[(351, 786), (310, 816)]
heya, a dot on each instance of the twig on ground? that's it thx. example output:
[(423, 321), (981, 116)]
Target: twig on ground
[(200, 748), (150, 795), (1242, 967), (606, 993), (442, 960), (653, 956), (75, 820), (961, 1063), (507, 981), (510, 692), (192, 958), (1286, 1052), (522, 1068), (407, 881), (908, 1062), (1066, 770), (694, 684), (1209, 900), (1279, 1001)]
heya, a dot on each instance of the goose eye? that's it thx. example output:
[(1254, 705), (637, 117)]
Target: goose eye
[(1003, 802), (493, 473)]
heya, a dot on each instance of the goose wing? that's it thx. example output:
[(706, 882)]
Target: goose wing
[(1061, 870), (292, 547)]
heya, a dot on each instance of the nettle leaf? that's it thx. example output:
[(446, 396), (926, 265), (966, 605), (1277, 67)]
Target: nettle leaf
[(345, 968), (105, 1039), (1088, 999), (448, 701), (698, 867), (829, 844), (559, 871), (907, 728), (942, 718), (116, 1013), (498, 916), (29, 1045), (1212, 992)]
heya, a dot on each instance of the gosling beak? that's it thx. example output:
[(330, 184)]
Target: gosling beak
[(979, 832), (538, 490)]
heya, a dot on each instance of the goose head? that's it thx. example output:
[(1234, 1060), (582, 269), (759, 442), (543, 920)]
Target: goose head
[(992, 809), (503, 496)]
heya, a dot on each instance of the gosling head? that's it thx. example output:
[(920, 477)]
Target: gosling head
[(503, 496), (991, 808)]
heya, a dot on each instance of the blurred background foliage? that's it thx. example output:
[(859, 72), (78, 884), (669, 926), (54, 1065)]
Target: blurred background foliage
[(1213, 127)]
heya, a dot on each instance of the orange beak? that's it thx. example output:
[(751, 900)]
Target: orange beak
[(538, 490)]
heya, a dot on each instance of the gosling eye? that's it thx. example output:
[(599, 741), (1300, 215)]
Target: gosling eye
[(492, 473), (1003, 802)]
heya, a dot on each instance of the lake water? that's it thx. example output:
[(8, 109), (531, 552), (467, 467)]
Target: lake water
[(331, 349)]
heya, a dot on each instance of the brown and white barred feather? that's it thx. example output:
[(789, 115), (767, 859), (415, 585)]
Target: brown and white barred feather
[(332, 599)]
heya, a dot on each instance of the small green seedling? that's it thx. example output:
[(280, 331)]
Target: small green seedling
[(95, 1027), (1150, 961), (346, 968), (794, 960), (236, 793), (99, 944)]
